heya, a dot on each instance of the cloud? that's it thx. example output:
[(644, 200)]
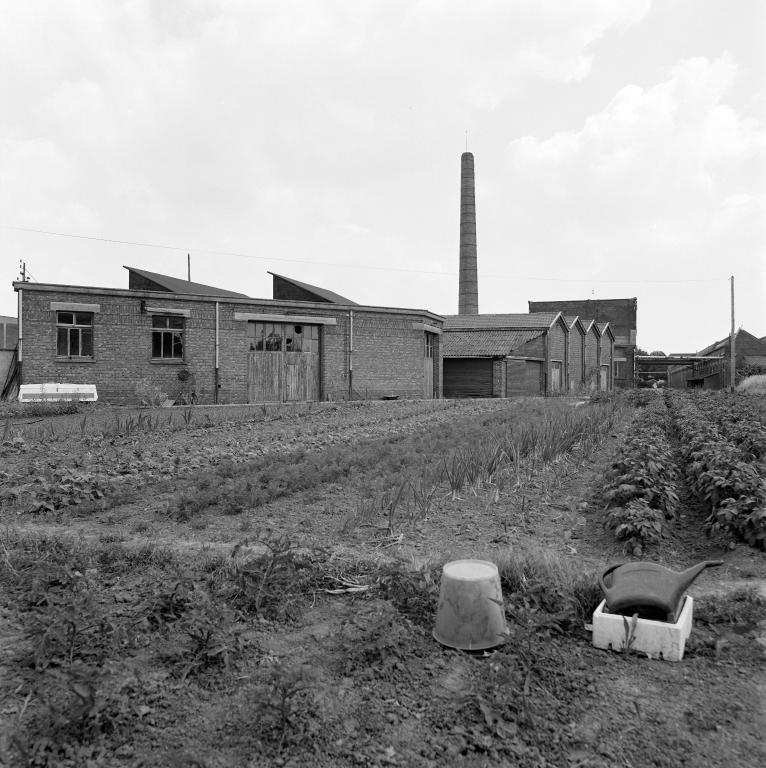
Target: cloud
[(667, 169)]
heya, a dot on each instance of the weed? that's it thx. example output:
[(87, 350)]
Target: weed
[(212, 637), (629, 628), (545, 581), (273, 584), (79, 707), (283, 703), (741, 606)]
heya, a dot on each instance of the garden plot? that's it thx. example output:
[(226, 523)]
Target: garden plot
[(261, 591)]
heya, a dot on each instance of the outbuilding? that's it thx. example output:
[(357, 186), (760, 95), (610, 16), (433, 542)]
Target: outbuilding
[(502, 355), (204, 344)]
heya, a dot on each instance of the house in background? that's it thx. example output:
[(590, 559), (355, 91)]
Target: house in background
[(750, 352), (621, 316), (9, 336), (503, 355), (220, 346)]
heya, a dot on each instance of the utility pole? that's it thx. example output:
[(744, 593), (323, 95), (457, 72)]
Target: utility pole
[(188, 267), (732, 352)]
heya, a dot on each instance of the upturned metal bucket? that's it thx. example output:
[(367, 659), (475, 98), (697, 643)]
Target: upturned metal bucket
[(470, 615)]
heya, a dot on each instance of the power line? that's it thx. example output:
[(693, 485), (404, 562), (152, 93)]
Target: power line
[(236, 254)]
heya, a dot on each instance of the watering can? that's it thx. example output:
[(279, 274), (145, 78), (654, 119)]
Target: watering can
[(651, 590)]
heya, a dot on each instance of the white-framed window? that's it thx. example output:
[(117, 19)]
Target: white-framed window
[(167, 337), (74, 334)]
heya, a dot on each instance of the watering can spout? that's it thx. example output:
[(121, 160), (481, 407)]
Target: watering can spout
[(686, 578)]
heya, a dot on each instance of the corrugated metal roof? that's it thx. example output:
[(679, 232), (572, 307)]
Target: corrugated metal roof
[(510, 322), (175, 285), (481, 343), (322, 293)]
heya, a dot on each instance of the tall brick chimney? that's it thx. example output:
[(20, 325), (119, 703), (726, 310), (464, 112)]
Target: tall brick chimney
[(468, 295)]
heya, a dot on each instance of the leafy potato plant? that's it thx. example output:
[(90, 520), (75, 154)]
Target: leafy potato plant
[(719, 474), (641, 489)]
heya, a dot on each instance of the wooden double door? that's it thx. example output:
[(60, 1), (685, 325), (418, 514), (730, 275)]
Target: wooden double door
[(282, 377), (283, 363)]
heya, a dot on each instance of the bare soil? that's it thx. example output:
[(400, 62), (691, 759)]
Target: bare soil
[(347, 673)]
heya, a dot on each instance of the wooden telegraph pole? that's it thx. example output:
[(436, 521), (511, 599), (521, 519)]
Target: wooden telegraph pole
[(732, 352)]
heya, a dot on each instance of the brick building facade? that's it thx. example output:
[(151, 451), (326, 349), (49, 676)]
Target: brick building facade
[(223, 348), (576, 353), (591, 357), (621, 314), (505, 355)]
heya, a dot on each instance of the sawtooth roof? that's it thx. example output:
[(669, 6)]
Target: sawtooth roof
[(509, 322), (485, 343), (572, 320), (603, 327), (176, 285), (322, 294)]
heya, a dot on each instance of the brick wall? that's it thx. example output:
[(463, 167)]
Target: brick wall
[(619, 313), (591, 359), (606, 357), (557, 352), (576, 343), (498, 378), (388, 356), (122, 347)]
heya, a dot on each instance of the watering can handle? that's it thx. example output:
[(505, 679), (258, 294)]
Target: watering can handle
[(601, 582)]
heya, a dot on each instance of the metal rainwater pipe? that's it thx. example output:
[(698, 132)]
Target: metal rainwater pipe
[(351, 354), (19, 347), (216, 384)]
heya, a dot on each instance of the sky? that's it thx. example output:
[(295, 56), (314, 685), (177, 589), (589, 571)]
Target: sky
[(620, 150)]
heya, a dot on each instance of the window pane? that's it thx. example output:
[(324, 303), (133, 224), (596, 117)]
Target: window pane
[(176, 322), (86, 336), (273, 337), (83, 318), (178, 345), (74, 342), (65, 318), (157, 344), (158, 321), (62, 348)]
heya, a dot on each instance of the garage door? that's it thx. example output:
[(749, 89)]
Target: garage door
[(523, 377), (468, 377)]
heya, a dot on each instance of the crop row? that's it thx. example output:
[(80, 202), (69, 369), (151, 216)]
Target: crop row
[(463, 453), (728, 480), (641, 490), (738, 421)]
